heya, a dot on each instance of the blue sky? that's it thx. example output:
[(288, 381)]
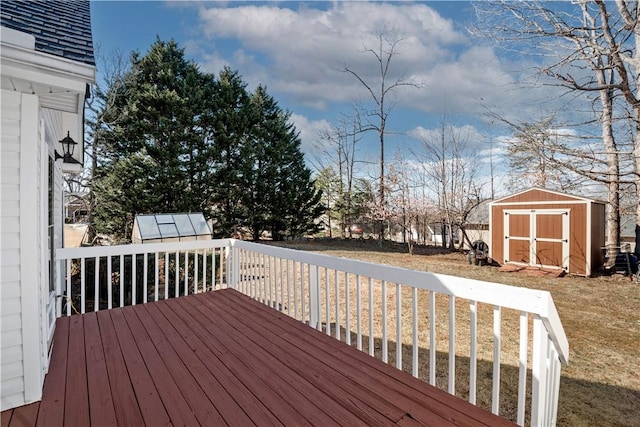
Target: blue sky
[(296, 49)]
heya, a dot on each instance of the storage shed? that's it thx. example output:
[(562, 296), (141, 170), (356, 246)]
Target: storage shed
[(548, 229), (156, 228)]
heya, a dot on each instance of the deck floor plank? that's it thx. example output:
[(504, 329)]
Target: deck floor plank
[(196, 398), (23, 416), (231, 412), (327, 382), (262, 386), (313, 341), (222, 358), (224, 373), (151, 406), (315, 405), (51, 410), (101, 409), (355, 383), (124, 398), (173, 400)]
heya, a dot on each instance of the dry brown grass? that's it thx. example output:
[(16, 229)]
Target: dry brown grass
[(601, 317)]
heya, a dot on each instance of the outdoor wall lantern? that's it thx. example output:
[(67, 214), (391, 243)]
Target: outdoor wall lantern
[(68, 145)]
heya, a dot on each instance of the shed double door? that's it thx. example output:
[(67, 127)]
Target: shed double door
[(537, 237)]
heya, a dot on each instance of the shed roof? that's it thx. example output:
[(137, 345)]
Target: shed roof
[(543, 194), (61, 28)]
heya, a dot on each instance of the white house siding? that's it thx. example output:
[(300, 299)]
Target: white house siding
[(11, 371)]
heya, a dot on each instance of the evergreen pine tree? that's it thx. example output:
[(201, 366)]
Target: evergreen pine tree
[(282, 183), (163, 112)]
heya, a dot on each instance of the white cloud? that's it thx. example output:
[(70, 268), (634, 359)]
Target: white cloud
[(299, 52), (310, 131)]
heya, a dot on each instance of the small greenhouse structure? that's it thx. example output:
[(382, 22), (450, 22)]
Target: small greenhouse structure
[(177, 227)]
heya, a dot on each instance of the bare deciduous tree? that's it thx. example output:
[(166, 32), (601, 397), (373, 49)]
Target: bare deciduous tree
[(596, 52), (452, 174), (381, 92)]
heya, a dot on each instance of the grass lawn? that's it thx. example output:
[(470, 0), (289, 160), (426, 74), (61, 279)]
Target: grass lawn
[(601, 317)]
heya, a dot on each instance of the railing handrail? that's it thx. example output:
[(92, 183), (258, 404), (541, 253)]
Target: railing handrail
[(138, 248), (532, 301)]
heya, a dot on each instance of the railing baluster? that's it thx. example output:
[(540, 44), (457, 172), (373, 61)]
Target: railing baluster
[(398, 326), (385, 344), (221, 264), (204, 270), (414, 318), (289, 286), (495, 393), (359, 313), (282, 273), (539, 372), (432, 338), (302, 293), (156, 280), (186, 273), (213, 269), (522, 362), (196, 275), (452, 345), (166, 275), (371, 345), (69, 296), (473, 353), (145, 277), (83, 273), (555, 389), (255, 272), (96, 284), (109, 283), (177, 283), (347, 309), (133, 279), (337, 289), (327, 302), (295, 291), (269, 259), (121, 275)]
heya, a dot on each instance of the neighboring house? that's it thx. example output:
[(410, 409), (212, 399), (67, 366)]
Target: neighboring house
[(628, 232), (76, 206), (438, 232), (477, 225), (47, 65)]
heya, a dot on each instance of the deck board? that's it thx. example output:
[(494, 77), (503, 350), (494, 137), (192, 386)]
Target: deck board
[(77, 397), (220, 358), (100, 400)]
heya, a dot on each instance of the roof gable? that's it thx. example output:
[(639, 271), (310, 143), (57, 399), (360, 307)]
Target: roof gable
[(542, 195), (61, 28)]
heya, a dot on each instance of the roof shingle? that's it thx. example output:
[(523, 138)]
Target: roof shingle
[(61, 28)]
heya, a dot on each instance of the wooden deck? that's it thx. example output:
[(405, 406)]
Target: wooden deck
[(220, 358)]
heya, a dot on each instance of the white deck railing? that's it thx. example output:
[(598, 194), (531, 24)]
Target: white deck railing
[(436, 324)]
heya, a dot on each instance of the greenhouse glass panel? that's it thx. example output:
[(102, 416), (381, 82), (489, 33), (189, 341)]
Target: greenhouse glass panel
[(199, 224), (184, 226), (168, 230), (148, 227), (170, 227)]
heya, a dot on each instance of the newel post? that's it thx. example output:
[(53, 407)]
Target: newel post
[(314, 298), (232, 266)]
